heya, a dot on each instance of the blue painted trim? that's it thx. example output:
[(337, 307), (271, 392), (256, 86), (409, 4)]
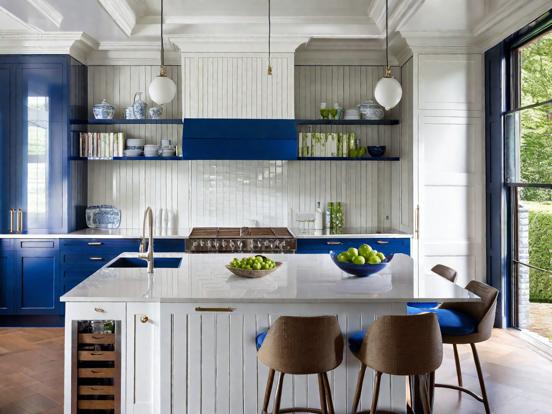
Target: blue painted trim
[(126, 121), (176, 158), (348, 159), (347, 122)]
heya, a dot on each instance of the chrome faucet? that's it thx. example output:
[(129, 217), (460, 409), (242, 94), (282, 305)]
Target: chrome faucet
[(147, 255)]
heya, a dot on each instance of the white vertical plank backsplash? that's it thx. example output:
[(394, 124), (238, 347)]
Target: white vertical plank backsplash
[(229, 193)]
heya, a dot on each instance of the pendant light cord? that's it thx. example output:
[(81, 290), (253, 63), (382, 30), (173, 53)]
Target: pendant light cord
[(269, 38), (386, 33), (162, 47)]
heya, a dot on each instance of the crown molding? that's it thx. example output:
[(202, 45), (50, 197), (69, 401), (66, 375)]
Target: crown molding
[(441, 42), (121, 13), (48, 11), (236, 44), (398, 15), (132, 53)]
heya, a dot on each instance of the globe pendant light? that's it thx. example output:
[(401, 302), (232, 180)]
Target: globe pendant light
[(388, 91), (162, 89)]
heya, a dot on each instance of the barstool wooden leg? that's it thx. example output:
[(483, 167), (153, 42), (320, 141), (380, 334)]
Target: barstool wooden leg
[(268, 391), (458, 368), (358, 390), (375, 393), (322, 390), (278, 397), (329, 401), (481, 379)]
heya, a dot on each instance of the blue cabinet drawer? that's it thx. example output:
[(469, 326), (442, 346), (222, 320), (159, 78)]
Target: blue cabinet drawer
[(384, 245), (93, 260), (117, 246)]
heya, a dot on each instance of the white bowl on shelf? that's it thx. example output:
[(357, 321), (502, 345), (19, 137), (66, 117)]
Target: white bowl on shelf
[(133, 153), (135, 142)]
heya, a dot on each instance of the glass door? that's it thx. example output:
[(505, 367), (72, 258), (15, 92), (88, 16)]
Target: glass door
[(528, 135)]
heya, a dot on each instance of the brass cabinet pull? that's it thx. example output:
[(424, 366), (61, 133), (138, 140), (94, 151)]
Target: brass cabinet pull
[(12, 212), (417, 222), (99, 310), (98, 336), (95, 243), (96, 258), (382, 242), (19, 220), (144, 319), (96, 353), (202, 309), (334, 243)]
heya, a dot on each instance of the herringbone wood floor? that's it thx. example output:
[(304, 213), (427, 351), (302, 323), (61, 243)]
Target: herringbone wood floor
[(519, 379)]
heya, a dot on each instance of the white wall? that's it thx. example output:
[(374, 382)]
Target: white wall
[(230, 192)]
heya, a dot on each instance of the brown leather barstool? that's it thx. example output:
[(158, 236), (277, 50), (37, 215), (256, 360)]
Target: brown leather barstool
[(483, 315), (447, 272), (301, 346), (400, 345)]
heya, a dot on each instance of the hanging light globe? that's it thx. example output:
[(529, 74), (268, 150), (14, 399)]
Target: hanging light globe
[(162, 89), (388, 91)]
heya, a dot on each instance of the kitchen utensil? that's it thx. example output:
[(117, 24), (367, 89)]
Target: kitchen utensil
[(360, 270), (376, 150), (103, 217), (103, 110), (139, 106), (371, 110), (253, 273), (155, 112)]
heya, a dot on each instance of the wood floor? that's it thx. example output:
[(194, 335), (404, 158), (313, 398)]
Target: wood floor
[(519, 378)]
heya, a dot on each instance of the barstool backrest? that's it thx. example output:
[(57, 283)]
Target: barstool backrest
[(447, 272), (482, 312), (303, 345), (403, 345)]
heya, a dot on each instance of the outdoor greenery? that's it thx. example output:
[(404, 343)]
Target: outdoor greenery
[(536, 160)]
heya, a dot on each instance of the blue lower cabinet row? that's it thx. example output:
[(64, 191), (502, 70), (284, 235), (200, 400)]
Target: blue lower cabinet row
[(35, 273), (385, 245)]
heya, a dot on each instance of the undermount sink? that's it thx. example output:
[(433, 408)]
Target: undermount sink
[(158, 262)]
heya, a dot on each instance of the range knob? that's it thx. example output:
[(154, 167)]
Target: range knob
[(232, 245)]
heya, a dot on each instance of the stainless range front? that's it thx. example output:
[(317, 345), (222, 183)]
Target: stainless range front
[(244, 239)]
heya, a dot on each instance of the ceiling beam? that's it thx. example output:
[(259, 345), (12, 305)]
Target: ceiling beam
[(121, 13), (48, 11)]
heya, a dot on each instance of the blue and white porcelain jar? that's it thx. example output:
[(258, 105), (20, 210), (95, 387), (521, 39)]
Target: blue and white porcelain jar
[(103, 217), (139, 106), (103, 110)]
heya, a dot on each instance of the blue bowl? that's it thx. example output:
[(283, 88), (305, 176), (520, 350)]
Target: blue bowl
[(376, 150), (360, 270)]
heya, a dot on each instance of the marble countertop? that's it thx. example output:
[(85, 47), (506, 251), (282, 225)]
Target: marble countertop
[(348, 233), (302, 278)]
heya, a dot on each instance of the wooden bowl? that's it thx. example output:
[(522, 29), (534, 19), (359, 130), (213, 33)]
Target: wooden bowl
[(253, 273)]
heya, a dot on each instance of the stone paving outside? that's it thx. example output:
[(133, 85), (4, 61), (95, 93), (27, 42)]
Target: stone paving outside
[(540, 319)]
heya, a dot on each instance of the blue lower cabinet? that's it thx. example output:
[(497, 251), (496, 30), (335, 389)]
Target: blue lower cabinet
[(385, 245), (7, 304), (37, 282)]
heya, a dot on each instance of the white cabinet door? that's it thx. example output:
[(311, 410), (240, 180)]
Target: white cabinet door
[(143, 336)]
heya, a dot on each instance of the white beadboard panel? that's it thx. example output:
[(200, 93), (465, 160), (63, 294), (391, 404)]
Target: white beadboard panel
[(237, 86)]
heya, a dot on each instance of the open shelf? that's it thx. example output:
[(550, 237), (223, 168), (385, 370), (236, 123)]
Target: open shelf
[(142, 158), (127, 122), (347, 122), (348, 159)]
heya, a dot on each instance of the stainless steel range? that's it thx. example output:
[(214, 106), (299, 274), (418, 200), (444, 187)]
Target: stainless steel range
[(245, 239)]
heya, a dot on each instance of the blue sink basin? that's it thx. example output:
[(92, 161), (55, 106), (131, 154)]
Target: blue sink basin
[(158, 262)]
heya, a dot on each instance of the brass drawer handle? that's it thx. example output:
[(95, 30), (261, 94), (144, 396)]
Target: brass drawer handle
[(334, 243), (382, 242), (202, 309), (19, 220), (96, 258), (12, 212), (101, 336), (99, 310), (96, 353), (144, 319), (95, 243)]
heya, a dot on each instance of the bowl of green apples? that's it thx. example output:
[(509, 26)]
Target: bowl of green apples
[(361, 262), (253, 266)]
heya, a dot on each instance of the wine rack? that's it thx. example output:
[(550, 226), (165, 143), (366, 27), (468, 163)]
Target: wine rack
[(96, 362)]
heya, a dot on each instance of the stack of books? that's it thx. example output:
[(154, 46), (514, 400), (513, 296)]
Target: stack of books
[(101, 145)]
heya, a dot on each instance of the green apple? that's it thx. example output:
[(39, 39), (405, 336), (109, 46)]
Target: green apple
[(364, 250), (352, 252), (359, 260), (380, 255), (374, 260), (257, 266), (343, 257)]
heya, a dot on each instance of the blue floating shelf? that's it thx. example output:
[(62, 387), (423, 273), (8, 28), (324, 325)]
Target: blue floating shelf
[(347, 122), (175, 158), (348, 159), (127, 122)]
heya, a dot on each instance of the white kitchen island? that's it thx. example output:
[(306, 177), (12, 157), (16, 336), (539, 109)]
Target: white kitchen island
[(186, 335)]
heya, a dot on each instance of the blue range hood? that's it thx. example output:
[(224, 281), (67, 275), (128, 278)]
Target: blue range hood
[(239, 139)]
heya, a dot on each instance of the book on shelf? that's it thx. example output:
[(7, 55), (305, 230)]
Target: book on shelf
[(101, 145)]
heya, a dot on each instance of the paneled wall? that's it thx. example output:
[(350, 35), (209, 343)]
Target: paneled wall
[(233, 192)]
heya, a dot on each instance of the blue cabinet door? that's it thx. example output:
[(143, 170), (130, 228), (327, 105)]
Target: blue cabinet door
[(39, 142), (6, 78), (37, 274), (385, 245), (6, 277)]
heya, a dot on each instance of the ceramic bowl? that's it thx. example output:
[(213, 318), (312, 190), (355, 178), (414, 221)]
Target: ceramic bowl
[(253, 273), (133, 153), (371, 110), (360, 270), (135, 142), (168, 153), (155, 112), (376, 150), (103, 110)]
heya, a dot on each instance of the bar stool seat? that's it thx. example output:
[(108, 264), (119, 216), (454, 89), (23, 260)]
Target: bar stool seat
[(451, 322), (444, 271), (300, 346)]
